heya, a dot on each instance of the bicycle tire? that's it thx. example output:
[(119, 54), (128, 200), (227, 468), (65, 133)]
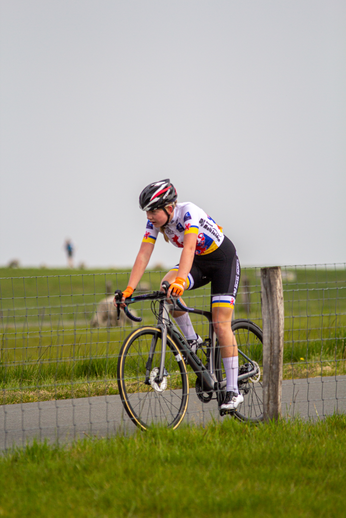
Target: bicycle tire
[(152, 404), (249, 339)]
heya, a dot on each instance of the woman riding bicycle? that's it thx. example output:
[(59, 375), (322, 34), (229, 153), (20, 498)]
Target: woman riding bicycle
[(207, 256)]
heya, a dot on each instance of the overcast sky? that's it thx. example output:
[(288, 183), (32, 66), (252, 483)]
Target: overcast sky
[(240, 103)]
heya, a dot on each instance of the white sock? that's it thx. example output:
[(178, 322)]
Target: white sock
[(185, 324), (231, 367)]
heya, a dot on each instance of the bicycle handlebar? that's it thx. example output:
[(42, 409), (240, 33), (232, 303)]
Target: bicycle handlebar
[(131, 316), (149, 296), (155, 295), (182, 307)]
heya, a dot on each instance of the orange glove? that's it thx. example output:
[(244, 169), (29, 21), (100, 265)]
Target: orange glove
[(178, 287), (128, 292)]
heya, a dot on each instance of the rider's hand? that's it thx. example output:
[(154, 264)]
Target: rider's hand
[(177, 287), (125, 294)]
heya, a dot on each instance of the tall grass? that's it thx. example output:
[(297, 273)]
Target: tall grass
[(231, 469)]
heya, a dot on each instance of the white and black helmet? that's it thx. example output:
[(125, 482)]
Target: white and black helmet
[(157, 195)]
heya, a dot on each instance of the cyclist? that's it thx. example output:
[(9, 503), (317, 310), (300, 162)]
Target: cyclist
[(207, 256)]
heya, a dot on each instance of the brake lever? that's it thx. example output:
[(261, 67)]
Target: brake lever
[(118, 294), (165, 285)]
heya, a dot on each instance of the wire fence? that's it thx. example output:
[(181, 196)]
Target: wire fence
[(60, 340)]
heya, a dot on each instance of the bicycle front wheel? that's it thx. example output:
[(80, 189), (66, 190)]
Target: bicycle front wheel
[(146, 400), (249, 340)]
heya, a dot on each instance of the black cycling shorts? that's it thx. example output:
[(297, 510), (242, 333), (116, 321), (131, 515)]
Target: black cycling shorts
[(222, 269)]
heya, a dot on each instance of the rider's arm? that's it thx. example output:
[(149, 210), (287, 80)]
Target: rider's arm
[(138, 269), (186, 259), (141, 263), (187, 255)]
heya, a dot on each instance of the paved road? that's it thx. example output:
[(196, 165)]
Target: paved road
[(65, 420)]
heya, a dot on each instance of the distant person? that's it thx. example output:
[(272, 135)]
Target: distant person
[(69, 252)]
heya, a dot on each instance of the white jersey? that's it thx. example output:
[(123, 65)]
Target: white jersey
[(189, 219)]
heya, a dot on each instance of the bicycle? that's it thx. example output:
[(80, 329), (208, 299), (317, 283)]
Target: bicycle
[(153, 378)]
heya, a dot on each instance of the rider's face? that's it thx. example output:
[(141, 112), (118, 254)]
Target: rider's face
[(158, 217)]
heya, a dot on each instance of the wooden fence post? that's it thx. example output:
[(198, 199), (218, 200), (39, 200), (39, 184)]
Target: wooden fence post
[(273, 340)]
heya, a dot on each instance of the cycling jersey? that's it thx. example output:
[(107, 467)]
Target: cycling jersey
[(189, 219), (221, 269)]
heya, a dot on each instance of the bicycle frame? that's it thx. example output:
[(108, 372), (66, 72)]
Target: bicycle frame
[(149, 350), (212, 338), (207, 377)]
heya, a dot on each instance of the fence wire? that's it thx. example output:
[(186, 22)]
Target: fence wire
[(60, 340)]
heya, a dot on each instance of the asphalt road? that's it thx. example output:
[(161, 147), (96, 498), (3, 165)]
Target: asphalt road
[(66, 420)]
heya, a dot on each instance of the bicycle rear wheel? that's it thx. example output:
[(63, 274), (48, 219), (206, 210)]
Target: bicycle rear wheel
[(162, 403), (249, 340)]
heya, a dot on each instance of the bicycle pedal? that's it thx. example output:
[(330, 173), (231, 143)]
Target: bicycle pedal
[(203, 395), (226, 412)]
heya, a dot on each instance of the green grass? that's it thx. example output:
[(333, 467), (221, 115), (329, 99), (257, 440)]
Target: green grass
[(281, 469)]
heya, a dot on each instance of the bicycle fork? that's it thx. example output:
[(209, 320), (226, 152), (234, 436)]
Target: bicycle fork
[(162, 370)]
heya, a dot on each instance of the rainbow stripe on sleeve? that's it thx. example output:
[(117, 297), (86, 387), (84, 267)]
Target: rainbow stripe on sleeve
[(191, 229), (148, 238)]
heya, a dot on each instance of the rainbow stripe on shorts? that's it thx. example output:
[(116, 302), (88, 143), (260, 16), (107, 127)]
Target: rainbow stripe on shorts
[(222, 301)]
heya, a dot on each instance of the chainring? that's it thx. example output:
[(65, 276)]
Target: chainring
[(203, 395)]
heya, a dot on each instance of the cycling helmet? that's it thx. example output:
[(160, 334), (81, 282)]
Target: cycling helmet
[(157, 195)]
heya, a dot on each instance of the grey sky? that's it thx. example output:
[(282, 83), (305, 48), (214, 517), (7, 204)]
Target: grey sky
[(241, 104)]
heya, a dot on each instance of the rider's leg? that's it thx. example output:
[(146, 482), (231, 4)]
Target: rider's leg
[(222, 319), (182, 318)]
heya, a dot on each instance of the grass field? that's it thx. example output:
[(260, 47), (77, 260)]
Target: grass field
[(48, 350), (231, 469)]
